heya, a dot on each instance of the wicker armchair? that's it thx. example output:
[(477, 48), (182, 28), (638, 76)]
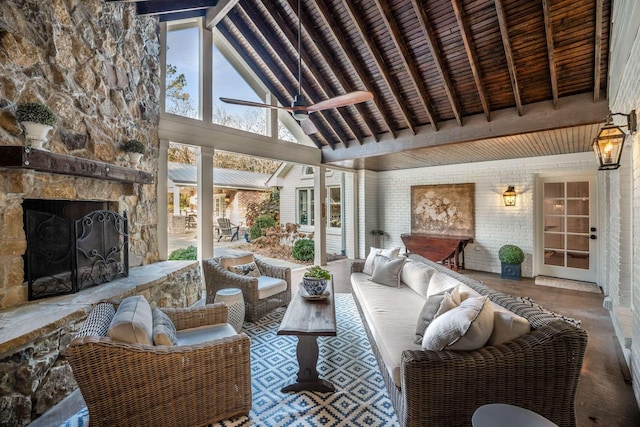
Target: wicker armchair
[(257, 304), (135, 384)]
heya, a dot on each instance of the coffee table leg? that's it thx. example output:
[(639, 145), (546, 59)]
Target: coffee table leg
[(307, 352)]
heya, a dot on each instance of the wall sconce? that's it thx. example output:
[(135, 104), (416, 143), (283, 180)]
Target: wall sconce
[(608, 145), (509, 196), (227, 199)]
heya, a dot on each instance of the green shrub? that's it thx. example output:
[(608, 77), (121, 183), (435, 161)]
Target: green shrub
[(37, 113), (189, 253), (262, 222), (511, 254), (303, 250), (133, 146)]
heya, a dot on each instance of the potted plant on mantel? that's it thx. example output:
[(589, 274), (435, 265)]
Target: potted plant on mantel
[(135, 149), (511, 258), (37, 120), (314, 280)]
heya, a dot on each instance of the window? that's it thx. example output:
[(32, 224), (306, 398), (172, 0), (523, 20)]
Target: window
[(305, 206), (182, 94), (334, 207)]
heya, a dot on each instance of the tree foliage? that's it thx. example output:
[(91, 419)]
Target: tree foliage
[(269, 206)]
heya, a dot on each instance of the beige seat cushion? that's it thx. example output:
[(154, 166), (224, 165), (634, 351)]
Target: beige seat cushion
[(205, 333), (133, 322), (268, 286), (231, 260)]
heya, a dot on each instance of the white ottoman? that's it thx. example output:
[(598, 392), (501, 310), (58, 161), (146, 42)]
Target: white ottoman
[(234, 300)]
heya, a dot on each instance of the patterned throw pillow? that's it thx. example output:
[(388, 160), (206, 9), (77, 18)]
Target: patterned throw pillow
[(164, 331), (98, 321), (249, 269)]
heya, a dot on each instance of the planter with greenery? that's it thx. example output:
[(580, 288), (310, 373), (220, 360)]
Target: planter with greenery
[(315, 279), (37, 120), (511, 258), (135, 149)]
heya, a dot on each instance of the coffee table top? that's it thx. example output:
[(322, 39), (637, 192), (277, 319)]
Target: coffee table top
[(305, 317)]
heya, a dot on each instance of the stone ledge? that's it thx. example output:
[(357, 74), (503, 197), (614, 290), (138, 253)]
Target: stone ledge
[(19, 326)]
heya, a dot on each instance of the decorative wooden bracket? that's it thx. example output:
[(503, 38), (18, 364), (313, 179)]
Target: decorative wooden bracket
[(44, 161)]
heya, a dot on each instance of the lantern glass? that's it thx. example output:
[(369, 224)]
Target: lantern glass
[(509, 196), (608, 147)]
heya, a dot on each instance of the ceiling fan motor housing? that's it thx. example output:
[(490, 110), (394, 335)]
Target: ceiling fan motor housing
[(300, 101)]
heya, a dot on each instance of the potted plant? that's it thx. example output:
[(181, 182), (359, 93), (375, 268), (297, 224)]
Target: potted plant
[(135, 149), (37, 120), (511, 258), (315, 279)]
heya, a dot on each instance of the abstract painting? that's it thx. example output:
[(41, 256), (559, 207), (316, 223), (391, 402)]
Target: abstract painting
[(444, 209)]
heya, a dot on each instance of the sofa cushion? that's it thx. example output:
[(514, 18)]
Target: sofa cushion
[(390, 314), (434, 306), (386, 271), (389, 253), (268, 286), (241, 258), (98, 321), (202, 334), (164, 331), (466, 327), (417, 276), (248, 269), (507, 325), (133, 321)]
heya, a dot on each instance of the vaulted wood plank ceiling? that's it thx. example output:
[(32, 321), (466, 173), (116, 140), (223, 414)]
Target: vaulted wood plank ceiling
[(453, 80)]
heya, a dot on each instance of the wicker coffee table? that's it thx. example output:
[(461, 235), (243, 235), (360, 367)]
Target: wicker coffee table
[(309, 319)]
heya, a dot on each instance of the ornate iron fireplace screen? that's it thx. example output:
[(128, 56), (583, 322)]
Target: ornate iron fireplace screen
[(66, 256)]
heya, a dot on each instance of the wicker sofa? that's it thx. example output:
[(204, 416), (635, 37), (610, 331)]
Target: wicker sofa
[(196, 382), (263, 293), (538, 370)]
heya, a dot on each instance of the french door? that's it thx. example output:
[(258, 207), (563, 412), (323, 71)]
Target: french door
[(567, 245)]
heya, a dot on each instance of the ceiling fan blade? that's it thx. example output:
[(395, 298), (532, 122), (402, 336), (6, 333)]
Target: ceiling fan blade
[(308, 127), (342, 100), (253, 104)]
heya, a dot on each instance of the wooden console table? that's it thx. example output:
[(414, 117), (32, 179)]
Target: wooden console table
[(448, 250)]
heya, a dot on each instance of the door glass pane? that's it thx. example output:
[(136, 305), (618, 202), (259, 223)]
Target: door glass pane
[(552, 257), (578, 190), (578, 260), (312, 210), (554, 223), (578, 207), (553, 190), (553, 241), (303, 213), (578, 225), (578, 242), (335, 210), (554, 207)]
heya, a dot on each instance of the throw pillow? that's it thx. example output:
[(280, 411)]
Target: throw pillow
[(98, 321), (507, 325), (386, 271), (133, 322), (241, 258), (248, 269), (466, 327), (389, 253), (433, 307), (417, 275), (164, 331)]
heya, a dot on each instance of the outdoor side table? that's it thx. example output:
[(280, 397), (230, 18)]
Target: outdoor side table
[(503, 415), (234, 300)]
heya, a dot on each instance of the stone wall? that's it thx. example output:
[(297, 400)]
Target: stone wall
[(34, 376), (96, 65)]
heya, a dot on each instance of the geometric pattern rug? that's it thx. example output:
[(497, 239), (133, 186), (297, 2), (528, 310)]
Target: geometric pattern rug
[(346, 360)]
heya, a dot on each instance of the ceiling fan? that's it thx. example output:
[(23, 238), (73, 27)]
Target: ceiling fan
[(299, 107)]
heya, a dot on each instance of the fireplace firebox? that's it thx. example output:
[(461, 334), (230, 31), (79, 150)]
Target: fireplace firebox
[(72, 246)]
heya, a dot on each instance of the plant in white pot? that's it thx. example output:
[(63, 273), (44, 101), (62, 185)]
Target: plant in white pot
[(135, 149), (314, 280), (37, 120)]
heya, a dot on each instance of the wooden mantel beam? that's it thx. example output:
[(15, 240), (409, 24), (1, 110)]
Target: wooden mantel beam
[(576, 110)]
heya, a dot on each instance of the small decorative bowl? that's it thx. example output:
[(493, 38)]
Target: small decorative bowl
[(314, 286)]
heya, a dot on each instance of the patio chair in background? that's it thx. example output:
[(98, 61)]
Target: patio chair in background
[(227, 229)]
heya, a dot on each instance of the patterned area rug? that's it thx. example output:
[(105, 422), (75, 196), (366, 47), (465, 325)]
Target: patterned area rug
[(347, 361)]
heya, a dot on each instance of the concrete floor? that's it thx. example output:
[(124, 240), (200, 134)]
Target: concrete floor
[(603, 397)]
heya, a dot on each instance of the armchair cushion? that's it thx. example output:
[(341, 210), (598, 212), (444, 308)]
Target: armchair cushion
[(205, 333), (133, 322), (232, 260), (268, 286), (249, 269), (164, 331)]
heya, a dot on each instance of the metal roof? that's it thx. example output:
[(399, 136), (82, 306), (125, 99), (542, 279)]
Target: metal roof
[(186, 175)]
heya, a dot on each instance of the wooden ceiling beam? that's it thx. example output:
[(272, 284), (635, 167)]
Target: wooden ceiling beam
[(331, 26), (273, 43), (432, 42), (416, 79), (469, 46), (597, 50), (369, 44), (548, 28), (228, 35), (575, 110), (168, 17), (156, 7), (319, 79), (504, 32)]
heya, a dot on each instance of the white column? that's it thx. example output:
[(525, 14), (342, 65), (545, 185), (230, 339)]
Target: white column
[(351, 213), (320, 215), (206, 72), (205, 202), (176, 200), (163, 201)]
